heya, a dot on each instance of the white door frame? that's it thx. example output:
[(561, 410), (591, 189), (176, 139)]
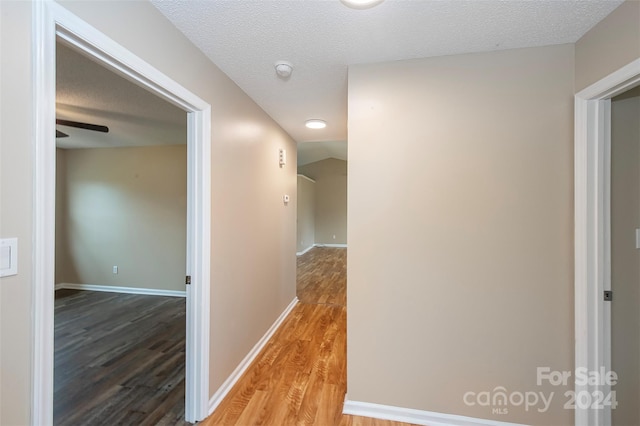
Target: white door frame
[(593, 231), (50, 21)]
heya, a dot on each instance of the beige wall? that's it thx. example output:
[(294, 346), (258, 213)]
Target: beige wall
[(306, 213), (331, 199), (610, 45), (625, 263), (15, 209), (62, 247), (253, 233), (460, 237), (124, 207)]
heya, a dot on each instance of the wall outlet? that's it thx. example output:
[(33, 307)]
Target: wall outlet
[(115, 269), (334, 237)]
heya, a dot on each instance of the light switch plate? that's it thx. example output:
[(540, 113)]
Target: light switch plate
[(638, 238), (8, 257)]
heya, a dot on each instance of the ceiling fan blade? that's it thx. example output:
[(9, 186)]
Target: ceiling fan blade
[(86, 126), (60, 134)]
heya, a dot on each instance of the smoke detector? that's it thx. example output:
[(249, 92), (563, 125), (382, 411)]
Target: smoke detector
[(284, 69)]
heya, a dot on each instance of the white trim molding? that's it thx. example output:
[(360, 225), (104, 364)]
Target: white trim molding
[(300, 253), (307, 178), (233, 378), (592, 231), (330, 245), (43, 291), (124, 290), (416, 417), (51, 21)]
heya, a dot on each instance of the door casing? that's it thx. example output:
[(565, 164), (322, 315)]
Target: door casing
[(52, 21), (592, 244)]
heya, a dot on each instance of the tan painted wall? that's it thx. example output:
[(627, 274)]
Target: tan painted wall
[(253, 233), (15, 209), (124, 207), (610, 45), (62, 246), (331, 199), (306, 213), (460, 238), (625, 261)]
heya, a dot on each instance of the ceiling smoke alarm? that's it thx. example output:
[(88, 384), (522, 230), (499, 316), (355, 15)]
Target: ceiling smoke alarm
[(284, 69)]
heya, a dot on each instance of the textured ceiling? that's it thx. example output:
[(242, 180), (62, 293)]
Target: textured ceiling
[(88, 92), (321, 38)]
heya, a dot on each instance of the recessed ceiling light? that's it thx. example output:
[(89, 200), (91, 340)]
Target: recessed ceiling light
[(315, 124), (361, 4)]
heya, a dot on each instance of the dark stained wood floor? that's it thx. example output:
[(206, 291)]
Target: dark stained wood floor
[(119, 359), (300, 376)]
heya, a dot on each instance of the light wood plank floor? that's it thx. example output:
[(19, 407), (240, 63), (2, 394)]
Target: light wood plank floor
[(119, 359), (300, 376), (322, 276)]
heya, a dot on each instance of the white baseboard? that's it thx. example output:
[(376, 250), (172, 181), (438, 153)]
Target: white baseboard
[(223, 390), (417, 417), (127, 290), (300, 253)]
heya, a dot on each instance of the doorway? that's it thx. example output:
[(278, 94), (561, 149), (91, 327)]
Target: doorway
[(52, 22), (593, 262), (625, 256), (322, 222), (121, 213)]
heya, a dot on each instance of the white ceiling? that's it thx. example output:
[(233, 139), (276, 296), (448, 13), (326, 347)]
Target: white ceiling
[(322, 37), (88, 92)]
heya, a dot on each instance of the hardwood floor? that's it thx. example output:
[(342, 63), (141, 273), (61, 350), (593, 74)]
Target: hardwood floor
[(322, 276), (300, 376), (119, 359)]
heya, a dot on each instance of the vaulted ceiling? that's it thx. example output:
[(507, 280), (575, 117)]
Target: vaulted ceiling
[(90, 93)]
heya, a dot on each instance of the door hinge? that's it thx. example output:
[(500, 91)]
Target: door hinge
[(187, 281), (608, 295)]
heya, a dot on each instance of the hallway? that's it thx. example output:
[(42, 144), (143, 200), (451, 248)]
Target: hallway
[(300, 376)]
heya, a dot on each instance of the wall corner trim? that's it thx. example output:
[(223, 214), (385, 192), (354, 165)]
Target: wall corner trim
[(224, 389), (126, 290), (418, 417), (300, 253)]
